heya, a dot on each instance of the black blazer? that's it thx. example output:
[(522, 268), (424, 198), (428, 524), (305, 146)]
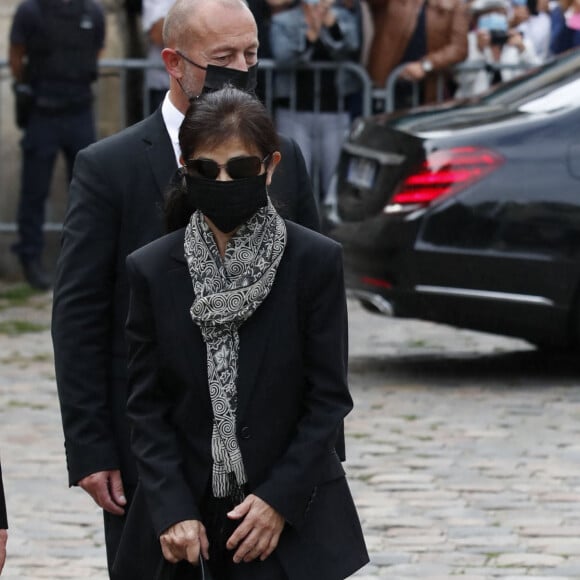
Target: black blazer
[(3, 517), (292, 398), (115, 207)]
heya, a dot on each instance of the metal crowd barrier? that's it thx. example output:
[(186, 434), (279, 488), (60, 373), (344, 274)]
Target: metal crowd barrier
[(267, 69), (387, 96), (122, 68)]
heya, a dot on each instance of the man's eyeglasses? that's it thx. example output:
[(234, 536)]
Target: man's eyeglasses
[(236, 167)]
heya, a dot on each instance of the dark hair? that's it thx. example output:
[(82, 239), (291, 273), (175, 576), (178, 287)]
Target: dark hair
[(210, 120)]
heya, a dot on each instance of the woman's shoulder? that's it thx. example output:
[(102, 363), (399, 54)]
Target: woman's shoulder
[(312, 263), (158, 252), (307, 242)]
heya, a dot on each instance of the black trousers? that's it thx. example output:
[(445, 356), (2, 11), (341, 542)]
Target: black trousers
[(45, 136)]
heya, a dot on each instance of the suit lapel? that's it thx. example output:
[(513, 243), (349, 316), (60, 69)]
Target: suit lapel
[(159, 150), (192, 343), (255, 334)]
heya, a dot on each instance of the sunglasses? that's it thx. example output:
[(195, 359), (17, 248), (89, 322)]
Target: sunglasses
[(236, 167)]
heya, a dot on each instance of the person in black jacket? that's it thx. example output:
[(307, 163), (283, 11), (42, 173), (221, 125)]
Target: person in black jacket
[(237, 336), (3, 524), (54, 48), (115, 207)]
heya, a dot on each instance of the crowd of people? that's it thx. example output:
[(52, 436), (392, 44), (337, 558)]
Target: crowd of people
[(422, 40)]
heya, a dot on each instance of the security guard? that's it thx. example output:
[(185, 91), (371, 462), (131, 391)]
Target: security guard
[(54, 48)]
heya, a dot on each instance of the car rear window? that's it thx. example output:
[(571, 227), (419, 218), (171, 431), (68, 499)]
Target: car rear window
[(554, 100), (536, 83)]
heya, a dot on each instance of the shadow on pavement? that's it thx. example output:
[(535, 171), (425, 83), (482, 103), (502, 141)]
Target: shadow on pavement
[(509, 369)]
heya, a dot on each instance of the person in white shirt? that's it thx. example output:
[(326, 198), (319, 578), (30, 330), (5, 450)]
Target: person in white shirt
[(496, 47), (532, 20)]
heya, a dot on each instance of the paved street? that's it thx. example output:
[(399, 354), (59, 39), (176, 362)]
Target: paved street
[(464, 454)]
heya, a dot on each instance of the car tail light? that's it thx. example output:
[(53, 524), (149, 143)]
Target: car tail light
[(378, 282), (444, 172)]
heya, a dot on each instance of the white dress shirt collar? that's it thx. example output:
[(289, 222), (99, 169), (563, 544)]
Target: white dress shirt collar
[(172, 117)]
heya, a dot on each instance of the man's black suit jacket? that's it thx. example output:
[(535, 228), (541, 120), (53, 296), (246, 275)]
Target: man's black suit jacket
[(292, 398), (115, 207), (3, 517)]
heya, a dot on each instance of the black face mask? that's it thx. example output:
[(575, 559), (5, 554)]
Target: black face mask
[(217, 77), (228, 204)]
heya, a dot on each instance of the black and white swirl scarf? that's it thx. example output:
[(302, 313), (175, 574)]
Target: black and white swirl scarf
[(228, 291)]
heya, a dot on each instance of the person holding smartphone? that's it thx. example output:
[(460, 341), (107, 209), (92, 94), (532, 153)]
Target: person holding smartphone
[(505, 51)]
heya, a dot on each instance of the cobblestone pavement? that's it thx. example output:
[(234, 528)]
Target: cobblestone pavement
[(463, 454)]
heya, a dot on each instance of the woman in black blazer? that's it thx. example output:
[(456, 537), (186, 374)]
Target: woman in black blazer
[(237, 334)]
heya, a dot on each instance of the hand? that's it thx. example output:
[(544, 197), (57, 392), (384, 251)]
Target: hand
[(413, 71), (3, 540), (106, 488), (328, 15), (184, 541), (313, 18), (517, 40), (483, 39), (258, 534)]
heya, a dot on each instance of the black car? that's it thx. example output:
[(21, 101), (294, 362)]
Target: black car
[(468, 213)]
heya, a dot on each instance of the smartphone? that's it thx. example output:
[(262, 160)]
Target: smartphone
[(498, 37)]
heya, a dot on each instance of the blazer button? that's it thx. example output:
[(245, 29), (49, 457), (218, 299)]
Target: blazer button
[(245, 433)]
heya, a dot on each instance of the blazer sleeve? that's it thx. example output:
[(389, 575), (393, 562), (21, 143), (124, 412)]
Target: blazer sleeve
[(310, 456), (153, 440), (82, 319), (3, 516)]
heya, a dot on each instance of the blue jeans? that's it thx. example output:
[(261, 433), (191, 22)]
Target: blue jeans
[(320, 137), (46, 134)]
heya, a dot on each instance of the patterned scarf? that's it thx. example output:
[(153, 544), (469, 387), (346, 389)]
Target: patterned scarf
[(227, 292)]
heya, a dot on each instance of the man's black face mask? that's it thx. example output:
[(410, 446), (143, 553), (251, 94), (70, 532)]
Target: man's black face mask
[(216, 77)]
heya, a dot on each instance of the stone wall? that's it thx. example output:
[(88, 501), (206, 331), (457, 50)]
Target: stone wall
[(108, 114)]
